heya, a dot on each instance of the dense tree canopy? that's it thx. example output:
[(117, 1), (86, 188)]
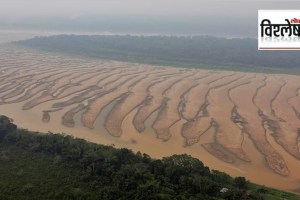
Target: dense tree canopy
[(196, 51), (6, 126), (57, 166)]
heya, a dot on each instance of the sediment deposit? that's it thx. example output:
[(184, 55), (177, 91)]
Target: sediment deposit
[(234, 121)]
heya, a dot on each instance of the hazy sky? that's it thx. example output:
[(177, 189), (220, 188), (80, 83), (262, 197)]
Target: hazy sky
[(72, 8), (206, 12)]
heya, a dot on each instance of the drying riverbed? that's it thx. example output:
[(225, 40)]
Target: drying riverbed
[(246, 124)]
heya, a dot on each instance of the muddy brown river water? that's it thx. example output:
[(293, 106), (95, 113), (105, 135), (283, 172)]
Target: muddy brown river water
[(220, 117)]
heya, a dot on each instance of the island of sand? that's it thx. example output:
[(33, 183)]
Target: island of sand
[(243, 123)]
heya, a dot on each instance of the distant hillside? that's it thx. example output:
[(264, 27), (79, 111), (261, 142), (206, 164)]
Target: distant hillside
[(55, 166), (196, 51)]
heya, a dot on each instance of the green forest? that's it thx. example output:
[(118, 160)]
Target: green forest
[(193, 51), (56, 166)]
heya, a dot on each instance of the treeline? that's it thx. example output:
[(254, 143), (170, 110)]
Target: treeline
[(196, 51), (56, 166)]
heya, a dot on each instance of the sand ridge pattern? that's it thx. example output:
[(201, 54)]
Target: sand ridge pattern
[(220, 112)]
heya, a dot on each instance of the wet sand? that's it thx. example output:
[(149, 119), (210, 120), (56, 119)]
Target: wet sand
[(245, 124)]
